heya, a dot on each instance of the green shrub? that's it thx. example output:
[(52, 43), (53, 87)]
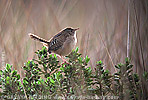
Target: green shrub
[(46, 78)]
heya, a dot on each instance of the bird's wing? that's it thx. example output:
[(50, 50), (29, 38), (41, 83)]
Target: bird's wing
[(56, 42)]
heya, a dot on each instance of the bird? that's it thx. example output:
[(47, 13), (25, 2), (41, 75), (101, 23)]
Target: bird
[(61, 43)]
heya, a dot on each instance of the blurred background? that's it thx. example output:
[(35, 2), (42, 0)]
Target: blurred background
[(110, 30)]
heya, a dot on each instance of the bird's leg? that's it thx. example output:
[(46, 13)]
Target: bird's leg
[(64, 61)]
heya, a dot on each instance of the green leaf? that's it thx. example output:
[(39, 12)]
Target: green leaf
[(56, 76), (89, 69), (48, 78), (28, 63), (51, 80), (107, 71), (129, 71), (99, 62), (77, 48), (8, 68), (80, 59), (38, 82), (1, 72), (145, 75), (120, 65), (18, 76), (7, 79), (36, 52), (127, 59), (87, 59), (50, 56), (14, 72), (129, 67), (136, 77), (43, 49), (55, 56), (116, 66), (42, 57), (62, 68)]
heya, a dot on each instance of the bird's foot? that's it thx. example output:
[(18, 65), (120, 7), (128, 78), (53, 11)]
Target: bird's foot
[(64, 61)]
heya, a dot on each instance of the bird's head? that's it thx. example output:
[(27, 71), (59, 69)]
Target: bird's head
[(71, 31)]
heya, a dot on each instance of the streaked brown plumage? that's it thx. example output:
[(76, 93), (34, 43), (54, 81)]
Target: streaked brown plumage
[(62, 43)]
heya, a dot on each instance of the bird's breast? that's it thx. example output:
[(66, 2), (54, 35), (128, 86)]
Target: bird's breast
[(75, 38), (68, 45)]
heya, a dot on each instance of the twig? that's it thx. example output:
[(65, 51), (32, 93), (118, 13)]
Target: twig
[(87, 44), (141, 49), (128, 35), (107, 52)]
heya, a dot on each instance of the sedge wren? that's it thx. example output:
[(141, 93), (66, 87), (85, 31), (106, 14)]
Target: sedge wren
[(62, 43)]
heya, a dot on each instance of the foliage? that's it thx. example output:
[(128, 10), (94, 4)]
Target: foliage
[(10, 82), (46, 78)]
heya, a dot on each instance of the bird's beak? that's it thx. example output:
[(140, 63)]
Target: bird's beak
[(76, 29)]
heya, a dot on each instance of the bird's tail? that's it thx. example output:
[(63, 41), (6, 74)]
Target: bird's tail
[(35, 37)]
